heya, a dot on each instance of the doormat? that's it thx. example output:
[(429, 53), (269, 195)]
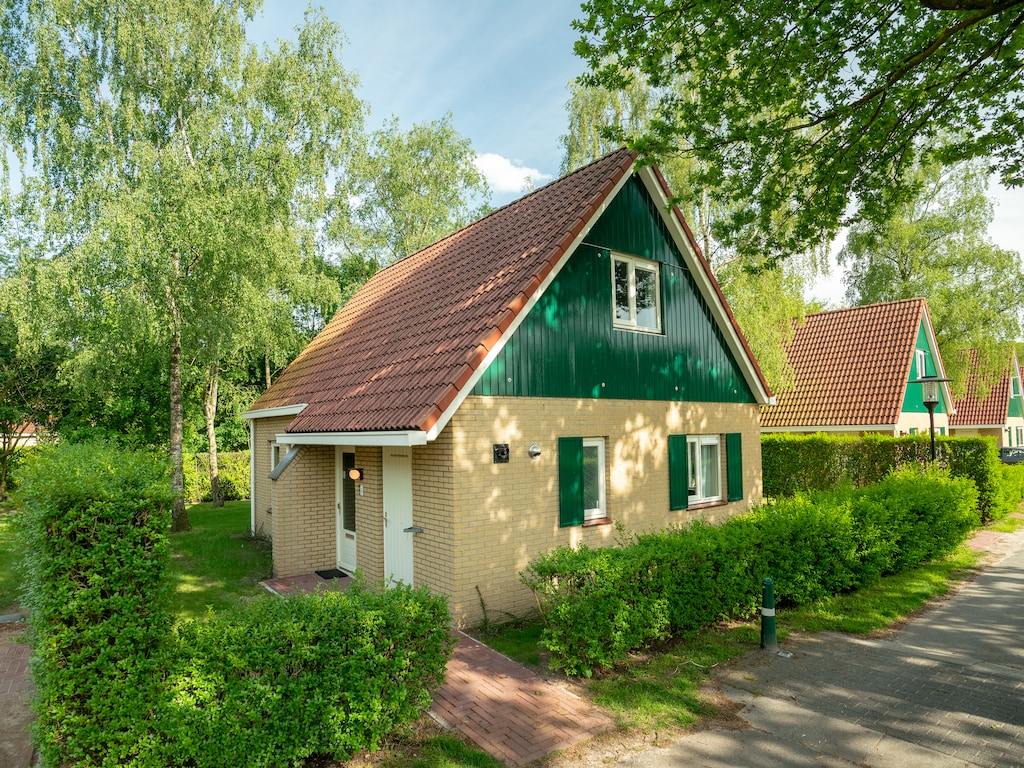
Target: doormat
[(333, 573)]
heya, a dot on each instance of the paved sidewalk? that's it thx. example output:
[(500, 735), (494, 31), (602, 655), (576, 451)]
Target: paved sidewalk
[(947, 690)]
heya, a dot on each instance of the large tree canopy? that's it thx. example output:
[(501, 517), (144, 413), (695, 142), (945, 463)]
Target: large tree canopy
[(816, 110), (936, 245)]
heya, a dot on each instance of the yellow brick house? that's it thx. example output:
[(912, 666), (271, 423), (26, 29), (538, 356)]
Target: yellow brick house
[(559, 369)]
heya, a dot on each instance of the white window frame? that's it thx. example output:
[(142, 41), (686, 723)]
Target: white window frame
[(600, 512), (694, 461), (922, 363), (1014, 386), (1020, 435), (277, 452), (633, 263)]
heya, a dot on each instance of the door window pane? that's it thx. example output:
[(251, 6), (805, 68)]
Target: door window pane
[(348, 493)]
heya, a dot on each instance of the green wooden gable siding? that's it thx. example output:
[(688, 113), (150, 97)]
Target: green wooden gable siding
[(912, 402), (1016, 408), (566, 346)]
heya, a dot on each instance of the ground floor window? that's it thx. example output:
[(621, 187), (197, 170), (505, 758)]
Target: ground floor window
[(581, 480), (695, 469), (705, 468)]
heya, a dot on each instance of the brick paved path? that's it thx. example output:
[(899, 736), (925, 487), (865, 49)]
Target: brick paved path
[(15, 715), (509, 711)]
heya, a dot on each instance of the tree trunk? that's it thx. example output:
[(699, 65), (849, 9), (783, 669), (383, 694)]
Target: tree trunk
[(210, 412), (179, 515), (266, 368)]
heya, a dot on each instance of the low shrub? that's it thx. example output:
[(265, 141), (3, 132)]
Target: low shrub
[(1012, 486), (598, 605), (95, 549), (331, 673), (232, 469)]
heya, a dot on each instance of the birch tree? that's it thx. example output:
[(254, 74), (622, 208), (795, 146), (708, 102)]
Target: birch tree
[(177, 161)]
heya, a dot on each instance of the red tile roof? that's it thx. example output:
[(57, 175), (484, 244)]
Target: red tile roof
[(993, 409), (851, 367), (399, 353)]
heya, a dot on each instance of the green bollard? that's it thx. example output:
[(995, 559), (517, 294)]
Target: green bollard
[(768, 639)]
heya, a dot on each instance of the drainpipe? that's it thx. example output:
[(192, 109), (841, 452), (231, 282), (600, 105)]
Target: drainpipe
[(252, 476)]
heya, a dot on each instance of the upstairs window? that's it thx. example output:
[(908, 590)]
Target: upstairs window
[(922, 367), (637, 291)]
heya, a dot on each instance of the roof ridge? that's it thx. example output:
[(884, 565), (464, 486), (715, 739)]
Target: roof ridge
[(916, 299)]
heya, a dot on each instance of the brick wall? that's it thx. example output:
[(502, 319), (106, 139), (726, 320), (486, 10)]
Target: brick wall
[(266, 431), (303, 524), (505, 514), (434, 478)]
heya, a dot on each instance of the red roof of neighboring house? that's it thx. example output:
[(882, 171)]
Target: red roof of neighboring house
[(400, 352), (851, 367), (994, 408)]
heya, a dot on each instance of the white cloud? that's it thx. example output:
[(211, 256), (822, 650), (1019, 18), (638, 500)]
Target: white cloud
[(505, 176)]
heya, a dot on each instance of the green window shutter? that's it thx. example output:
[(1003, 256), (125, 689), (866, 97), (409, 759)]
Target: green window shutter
[(678, 473), (734, 465), (570, 481)]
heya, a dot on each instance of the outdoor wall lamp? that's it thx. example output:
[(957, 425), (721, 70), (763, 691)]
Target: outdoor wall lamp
[(533, 451), (930, 398), (355, 474)]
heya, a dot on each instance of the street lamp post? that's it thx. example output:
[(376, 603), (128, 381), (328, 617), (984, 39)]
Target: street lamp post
[(930, 397)]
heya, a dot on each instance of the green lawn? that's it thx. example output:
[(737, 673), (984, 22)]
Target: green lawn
[(10, 580), (216, 564)]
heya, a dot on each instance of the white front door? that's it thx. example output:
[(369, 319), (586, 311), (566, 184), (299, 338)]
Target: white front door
[(398, 515), (345, 506)]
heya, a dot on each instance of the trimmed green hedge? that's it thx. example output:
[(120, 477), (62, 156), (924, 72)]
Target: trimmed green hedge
[(599, 605), (332, 673), (792, 463), (232, 467), (269, 684), (95, 547)]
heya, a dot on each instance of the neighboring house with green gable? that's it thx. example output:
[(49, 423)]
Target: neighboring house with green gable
[(560, 369), (1000, 414), (853, 370)]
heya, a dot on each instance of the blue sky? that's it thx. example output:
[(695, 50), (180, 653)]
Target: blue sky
[(501, 69)]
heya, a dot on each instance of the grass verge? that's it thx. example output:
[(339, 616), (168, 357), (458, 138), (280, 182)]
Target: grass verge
[(217, 563)]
